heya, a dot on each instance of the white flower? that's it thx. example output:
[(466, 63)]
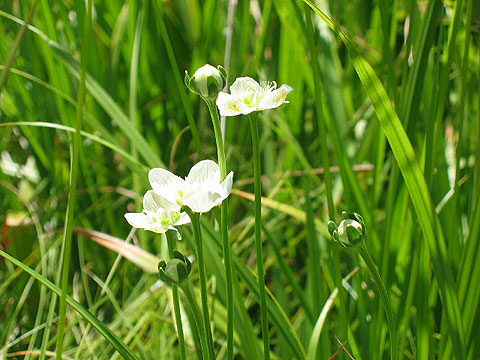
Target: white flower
[(200, 191), (159, 215), (247, 96)]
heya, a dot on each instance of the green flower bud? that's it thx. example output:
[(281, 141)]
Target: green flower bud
[(350, 231), (175, 270), (207, 81)]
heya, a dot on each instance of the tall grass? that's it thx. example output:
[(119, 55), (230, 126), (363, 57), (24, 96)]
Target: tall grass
[(384, 120)]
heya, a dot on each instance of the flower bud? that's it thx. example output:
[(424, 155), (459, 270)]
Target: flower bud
[(207, 81), (350, 231), (175, 270)]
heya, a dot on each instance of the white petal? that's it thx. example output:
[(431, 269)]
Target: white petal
[(184, 219), (152, 202), (138, 220), (226, 186), (165, 183), (228, 105), (204, 201), (158, 228), (243, 86), (204, 172), (274, 98)]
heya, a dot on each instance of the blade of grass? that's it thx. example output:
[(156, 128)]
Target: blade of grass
[(16, 45), (74, 174)]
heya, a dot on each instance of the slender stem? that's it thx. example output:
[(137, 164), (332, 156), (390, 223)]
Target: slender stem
[(186, 286), (222, 163), (67, 236), (176, 303), (195, 217), (224, 227), (258, 232), (363, 252)]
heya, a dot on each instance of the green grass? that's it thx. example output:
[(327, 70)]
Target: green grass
[(404, 108)]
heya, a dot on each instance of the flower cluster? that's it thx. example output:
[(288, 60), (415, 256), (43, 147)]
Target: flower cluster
[(246, 95), (201, 190)]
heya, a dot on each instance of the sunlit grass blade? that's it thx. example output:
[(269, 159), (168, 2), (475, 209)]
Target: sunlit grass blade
[(113, 339), (314, 340)]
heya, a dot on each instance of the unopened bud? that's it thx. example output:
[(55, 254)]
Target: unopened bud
[(207, 81), (350, 231), (175, 270)]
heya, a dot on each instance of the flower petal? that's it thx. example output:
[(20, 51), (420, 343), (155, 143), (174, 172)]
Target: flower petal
[(152, 202), (184, 219), (165, 183), (159, 229), (274, 98), (204, 172), (226, 186), (138, 220), (243, 86), (228, 105), (203, 201)]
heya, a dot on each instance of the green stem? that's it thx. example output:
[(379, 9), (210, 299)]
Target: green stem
[(224, 226), (186, 286), (363, 252), (197, 232), (258, 232), (171, 238), (67, 237)]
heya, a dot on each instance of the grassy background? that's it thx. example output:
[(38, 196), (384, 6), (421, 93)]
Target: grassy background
[(426, 55)]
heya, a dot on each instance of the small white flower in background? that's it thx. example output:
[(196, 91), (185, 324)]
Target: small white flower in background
[(159, 215), (247, 95), (200, 191)]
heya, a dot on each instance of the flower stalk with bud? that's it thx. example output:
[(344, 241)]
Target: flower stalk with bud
[(175, 273), (207, 82), (175, 201), (351, 233), (198, 193)]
